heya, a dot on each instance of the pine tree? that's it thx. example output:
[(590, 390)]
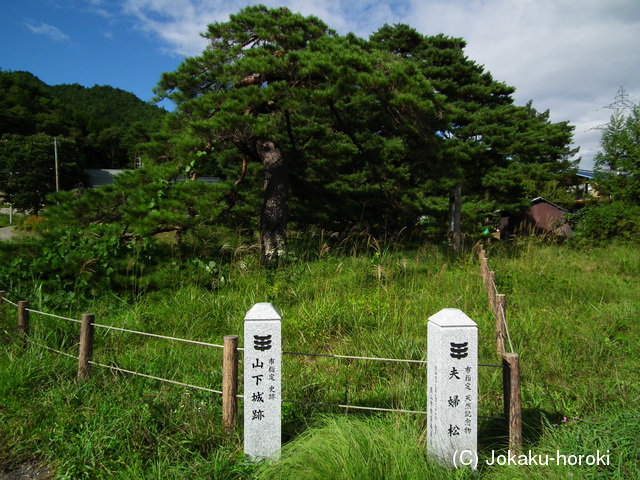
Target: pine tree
[(329, 119), (484, 132), (618, 161), (345, 131)]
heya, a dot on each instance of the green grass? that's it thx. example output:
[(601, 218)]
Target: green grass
[(582, 310), (343, 448), (17, 218), (572, 317)]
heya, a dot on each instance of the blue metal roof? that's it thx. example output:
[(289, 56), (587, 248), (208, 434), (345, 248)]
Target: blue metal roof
[(586, 173)]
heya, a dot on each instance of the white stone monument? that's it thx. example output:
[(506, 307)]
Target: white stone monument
[(452, 387), (262, 382)]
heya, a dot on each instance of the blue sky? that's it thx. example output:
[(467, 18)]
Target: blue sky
[(74, 42), (567, 56)]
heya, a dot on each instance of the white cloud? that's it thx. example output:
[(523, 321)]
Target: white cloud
[(50, 31), (178, 23), (567, 56)]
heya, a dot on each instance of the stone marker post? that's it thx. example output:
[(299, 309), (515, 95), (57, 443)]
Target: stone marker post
[(452, 387), (262, 382)]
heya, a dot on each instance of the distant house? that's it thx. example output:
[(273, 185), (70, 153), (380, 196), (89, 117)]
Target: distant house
[(586, 174), (105, 176), (544, 217), (584, 189)]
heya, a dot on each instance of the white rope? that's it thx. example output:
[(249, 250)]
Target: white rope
[(54, 316), (240, 397), (399, 360), (121, 329), (53, 350), (164, 337), (354, 407), (129, 371), (4, 299), (506, 328), (110, 367)]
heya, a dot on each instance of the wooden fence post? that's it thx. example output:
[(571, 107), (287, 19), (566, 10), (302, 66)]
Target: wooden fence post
[(484, 266), (86, 346), (512, 399), (229, 382), (23, 321), (491, 289), (501, 308)]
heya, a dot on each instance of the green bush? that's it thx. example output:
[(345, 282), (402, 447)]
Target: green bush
[(31, 223), (67, 264), (602, 221)]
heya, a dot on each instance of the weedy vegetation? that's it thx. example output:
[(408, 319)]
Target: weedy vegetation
[(572, 316)]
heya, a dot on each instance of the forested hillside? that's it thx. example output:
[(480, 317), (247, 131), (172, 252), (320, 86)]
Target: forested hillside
[(113, 122), (27, 108), (97, 127), (102, 106), (106, 123)]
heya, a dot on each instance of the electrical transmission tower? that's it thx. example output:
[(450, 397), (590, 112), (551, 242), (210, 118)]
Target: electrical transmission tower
[(621, 104)]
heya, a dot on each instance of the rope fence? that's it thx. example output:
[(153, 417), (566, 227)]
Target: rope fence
[(350, 357), (4, 299), (130, 372), (506, 325), (356, 407), (230, 362), (152, 377), (153, 335), (510, 360), (497, 303), (53, 316), (53, 350)]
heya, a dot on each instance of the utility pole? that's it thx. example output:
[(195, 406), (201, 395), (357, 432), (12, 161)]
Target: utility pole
[(55, 154)]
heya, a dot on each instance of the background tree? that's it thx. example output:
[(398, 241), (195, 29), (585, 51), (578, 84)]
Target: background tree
[(618, 161), (354, 131), (106, 123), (490, 145), (27, 169), (111, 123), (326, 117), (614, 213)]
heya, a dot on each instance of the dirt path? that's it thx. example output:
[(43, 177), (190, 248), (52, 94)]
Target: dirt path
[(26, 472), (7, 233)]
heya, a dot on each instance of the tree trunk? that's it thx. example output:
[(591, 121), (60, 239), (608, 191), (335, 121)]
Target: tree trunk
[(455, 215), (275, 213)]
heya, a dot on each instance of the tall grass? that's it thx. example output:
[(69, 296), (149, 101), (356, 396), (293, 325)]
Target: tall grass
[(342, 448), (572, 317), (581, 310)]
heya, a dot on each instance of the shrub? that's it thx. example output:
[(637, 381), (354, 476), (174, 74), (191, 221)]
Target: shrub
[(603, 221), (31, 223)]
